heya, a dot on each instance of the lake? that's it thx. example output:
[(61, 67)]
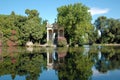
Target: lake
[(80, 63)]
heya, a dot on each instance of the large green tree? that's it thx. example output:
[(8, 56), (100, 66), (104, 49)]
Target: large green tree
[(33, 28), (76, 19)]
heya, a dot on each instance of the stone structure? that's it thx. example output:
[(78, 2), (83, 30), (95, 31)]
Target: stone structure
[(55, 57), (53, 32)]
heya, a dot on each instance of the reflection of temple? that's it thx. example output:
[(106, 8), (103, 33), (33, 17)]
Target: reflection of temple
[(53, 32), (49, 60), (55, 57)]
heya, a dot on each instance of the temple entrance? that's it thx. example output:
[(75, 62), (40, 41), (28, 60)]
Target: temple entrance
[(50, 35), (55, 35)]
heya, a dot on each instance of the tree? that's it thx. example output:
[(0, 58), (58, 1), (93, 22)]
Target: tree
[(33, 29), (43, 40), (31, 13), (29, 27), (77, 22), (109, 29), (114, 30), (100, 23)]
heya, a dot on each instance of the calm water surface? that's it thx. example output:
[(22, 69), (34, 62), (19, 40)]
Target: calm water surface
[(83, 63)]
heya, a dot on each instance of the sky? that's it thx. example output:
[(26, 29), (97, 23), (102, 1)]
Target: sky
[(48, 8)]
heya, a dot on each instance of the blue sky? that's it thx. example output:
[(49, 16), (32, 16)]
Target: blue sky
[(48, 8)]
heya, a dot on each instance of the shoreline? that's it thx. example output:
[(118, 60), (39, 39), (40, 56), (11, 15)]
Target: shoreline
[(107, 44)]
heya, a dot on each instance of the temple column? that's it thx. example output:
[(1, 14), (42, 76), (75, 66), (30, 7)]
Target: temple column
[(47, 35)]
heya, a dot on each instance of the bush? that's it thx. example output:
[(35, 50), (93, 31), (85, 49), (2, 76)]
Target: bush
[(62, 42)]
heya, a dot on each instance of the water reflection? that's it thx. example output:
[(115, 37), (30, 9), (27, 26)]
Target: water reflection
[(22, 64), (55, 57), (107, 64), (77, 66), (108, 58), (30, 49), (83, 63)]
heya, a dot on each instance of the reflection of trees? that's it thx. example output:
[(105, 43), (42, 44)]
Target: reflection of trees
[(7, 67), (110, 59), (28, 64), (31, 65), (76, 66), (114, 61), (71, 66)]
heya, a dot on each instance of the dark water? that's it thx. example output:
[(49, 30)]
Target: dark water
[(83, 63)]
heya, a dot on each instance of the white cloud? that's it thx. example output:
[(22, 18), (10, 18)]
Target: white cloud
[(96, 11)]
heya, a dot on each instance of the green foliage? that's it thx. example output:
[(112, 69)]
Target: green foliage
[(109, 59), (93, 36), (24, 63), (62, 42), (76, 20), (110, 29), (27, 28), (101, 23), (76, 67)]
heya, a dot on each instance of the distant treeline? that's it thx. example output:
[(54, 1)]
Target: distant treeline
[(109, 29)]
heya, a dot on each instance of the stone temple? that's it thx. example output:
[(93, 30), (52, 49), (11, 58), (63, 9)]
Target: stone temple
[(54, 31)]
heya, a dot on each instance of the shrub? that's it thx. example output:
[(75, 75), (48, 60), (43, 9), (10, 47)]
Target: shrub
[(62, 42), (13, 32), (11, 43)]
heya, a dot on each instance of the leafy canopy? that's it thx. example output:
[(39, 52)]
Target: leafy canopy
[(76, 20)]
